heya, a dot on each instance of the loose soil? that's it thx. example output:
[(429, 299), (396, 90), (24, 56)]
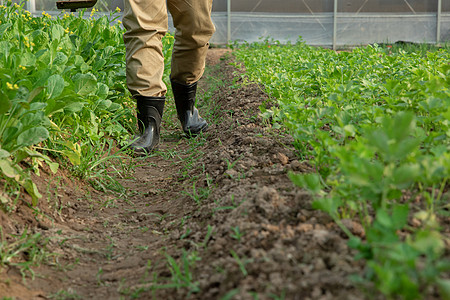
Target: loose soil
[(225, 207)]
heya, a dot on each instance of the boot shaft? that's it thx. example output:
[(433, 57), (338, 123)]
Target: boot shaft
[(190, 119), (149, 109), (184, 96)]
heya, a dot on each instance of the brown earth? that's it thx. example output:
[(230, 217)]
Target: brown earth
[(215, 217)]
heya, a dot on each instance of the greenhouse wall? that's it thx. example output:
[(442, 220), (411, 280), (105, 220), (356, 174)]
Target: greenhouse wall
[(333, 23)]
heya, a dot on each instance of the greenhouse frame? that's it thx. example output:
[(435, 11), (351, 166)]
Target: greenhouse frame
[(329, 23)]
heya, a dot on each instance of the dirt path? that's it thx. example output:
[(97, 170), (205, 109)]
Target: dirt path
[(210, 218)]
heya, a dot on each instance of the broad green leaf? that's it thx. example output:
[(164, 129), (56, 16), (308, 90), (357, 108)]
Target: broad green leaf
[(400, 214), (98, 64), (60, 59), (32, 190), (55, 85), (78, 60), (85, 84), (5, 103), (402, 127), (34, 93), (311, 181), (32, 136), (4, 154), (8, 169), (28, 59), (73, 156), (40, 38), (428, 240), (405, 175), (104, 104), (74, 107), (4, 199), (4, 27), (57, 32), (328, 205), (53, 166), (5, 46), (384, 219), (102, 90)]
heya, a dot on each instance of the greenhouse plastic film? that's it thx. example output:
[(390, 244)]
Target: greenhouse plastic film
[(371, 28), (314, 29)]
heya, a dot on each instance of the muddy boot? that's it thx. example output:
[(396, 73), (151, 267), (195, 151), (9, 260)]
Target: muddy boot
[(150, 110), (189, 117)]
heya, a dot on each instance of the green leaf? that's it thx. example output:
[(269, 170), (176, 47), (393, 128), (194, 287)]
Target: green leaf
[(405, 175), (400, 214), (32, 190), (4, 154), (427, 241), (5, 103), (34, 93), (60, 59), (74, 107), (8, 169), (5, 46), (384, 219), (53, 166), (98, 64), (32, 136), (55, 85), (27, 59), (403, 125), (73, 156), (57, 32), (444, 288), (78, 61), (4, 27), (85, 84), (40, 38), (328, 205), (102, 90), (311, 181)]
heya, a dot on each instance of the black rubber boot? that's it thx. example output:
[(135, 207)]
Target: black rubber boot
[(189, 117), (150, 111)]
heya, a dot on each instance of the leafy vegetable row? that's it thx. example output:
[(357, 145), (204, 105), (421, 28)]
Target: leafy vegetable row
[(62, 93), (375, 123)]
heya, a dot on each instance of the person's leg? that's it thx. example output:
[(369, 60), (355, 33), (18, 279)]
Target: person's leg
[(146, 25), (194, 28)]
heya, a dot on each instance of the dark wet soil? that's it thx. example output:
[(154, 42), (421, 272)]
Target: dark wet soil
[(214, 217)]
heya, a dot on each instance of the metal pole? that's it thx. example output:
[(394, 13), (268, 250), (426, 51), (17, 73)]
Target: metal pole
[(31, 6), (228, 21), (438, 20), (335, 23)]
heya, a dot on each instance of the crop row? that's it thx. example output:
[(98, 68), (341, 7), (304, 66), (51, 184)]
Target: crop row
[(62, 95), (375, 124)]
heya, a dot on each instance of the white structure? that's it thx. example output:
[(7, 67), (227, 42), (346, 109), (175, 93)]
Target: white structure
[(334, 23)]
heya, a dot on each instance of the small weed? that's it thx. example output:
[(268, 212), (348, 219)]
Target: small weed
[(182, 274), (236, 233), (198, 194), (98, 277), (234, 204), (110, 249), (241, 262), (31, 248), (208, 236), (68, 294), (186, 234), (276, 297), (230, 294), (142, 248), (144, 229)]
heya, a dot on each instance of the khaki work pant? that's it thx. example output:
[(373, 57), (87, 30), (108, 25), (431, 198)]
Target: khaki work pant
[(146, 22)]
